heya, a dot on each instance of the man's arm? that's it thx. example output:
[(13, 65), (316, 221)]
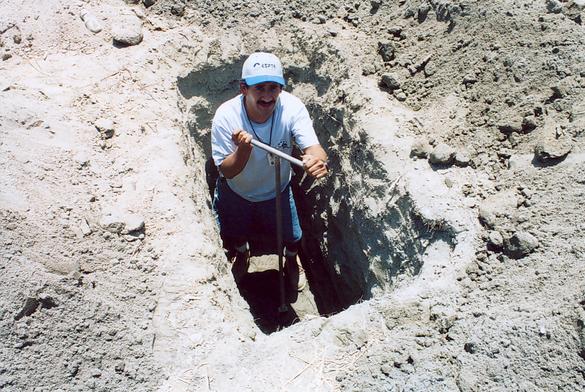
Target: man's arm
[(315, 161), (234, 163)]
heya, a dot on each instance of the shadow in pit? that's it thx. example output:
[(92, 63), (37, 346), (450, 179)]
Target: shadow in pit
[(320, 285), (318, 277), (261, 291)]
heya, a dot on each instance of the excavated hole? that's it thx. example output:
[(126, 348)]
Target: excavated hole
[(359, 232)]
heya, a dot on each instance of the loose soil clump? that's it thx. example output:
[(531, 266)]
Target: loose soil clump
[(444, 251)]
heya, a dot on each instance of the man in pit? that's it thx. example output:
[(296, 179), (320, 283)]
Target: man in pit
[(245, 192)]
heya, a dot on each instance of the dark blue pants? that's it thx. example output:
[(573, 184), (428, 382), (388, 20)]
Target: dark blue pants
[(241, 220)]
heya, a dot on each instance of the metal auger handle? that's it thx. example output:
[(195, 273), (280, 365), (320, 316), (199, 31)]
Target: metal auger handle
[(278, 153)]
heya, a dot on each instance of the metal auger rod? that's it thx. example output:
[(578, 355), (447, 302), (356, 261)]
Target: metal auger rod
[(282, 308), (277, 154)]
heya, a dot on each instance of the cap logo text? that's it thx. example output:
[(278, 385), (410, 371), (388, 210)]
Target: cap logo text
[(264, 65)]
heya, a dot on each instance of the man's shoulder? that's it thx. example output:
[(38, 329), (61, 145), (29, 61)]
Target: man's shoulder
[(290, 104), (230, 106)]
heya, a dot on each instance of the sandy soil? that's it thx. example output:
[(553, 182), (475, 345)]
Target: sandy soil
[(444, 252)]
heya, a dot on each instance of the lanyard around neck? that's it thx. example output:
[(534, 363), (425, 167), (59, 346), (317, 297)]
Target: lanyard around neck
[(252, 126)]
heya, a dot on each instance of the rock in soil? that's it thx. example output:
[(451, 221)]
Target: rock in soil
[(551, 151), (127, 30), (91, 22), (105, 127), (442, 154), (520, 245)]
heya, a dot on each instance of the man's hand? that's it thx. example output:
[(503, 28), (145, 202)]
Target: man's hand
[(315, 167), (234, 163), (242, 139), (315, 161)]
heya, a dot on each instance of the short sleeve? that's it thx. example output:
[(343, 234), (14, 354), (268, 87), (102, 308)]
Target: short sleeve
[(302, 129), (221, 140)]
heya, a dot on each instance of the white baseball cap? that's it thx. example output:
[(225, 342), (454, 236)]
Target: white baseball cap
[(262, 67)]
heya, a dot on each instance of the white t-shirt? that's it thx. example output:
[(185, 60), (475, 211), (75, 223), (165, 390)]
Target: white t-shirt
[(290, 122)]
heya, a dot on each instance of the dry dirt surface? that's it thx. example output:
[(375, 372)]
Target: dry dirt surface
[(445, 251)]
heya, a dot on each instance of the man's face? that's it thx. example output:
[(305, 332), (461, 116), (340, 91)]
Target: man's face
[(261, 99)]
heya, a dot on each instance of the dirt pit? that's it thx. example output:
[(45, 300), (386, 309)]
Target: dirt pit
[(443, 252), (349, 249)]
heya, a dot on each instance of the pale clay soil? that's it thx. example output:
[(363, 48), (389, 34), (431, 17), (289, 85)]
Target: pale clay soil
[(444, 252)]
